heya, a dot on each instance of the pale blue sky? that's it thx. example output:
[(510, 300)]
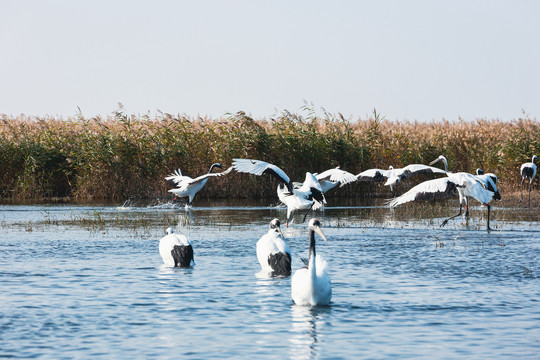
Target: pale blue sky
[(411, 60)]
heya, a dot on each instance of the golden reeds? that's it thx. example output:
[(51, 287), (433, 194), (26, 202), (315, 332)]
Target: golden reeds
[(125, 156)]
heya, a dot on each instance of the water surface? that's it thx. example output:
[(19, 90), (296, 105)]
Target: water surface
[(87, 281)]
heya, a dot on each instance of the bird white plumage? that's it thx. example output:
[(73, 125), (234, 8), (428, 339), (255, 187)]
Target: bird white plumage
[(273, 251), (331, 178), (460, 184), (311, 285), (308, 196), (176, 250), (528, 171), (188, 187), (394, 176)]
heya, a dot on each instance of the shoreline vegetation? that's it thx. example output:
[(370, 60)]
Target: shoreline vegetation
[(126, 156)]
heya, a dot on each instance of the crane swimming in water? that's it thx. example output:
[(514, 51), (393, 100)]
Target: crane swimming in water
[(273, 251), (460, 184), (528, 171), (188, 187), (176, 250), (309, 196), (310, 285)]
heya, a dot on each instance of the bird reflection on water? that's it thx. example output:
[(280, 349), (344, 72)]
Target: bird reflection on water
[(306, 325)]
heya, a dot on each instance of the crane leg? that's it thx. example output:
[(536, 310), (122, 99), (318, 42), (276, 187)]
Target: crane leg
[(467, 207), (452, 217), (307, 212), (489, 210), (530, 185), (522, 180)]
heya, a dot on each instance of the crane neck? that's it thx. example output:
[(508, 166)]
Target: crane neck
[(445, 165), (312, 252), (212, 168)]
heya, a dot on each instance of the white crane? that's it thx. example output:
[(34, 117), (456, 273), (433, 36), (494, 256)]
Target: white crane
[(331, 178), (176, 250), (310, 285), (188, 187), (394, 176), (460, 184), (308, 196), (273, 251), (528, 171)]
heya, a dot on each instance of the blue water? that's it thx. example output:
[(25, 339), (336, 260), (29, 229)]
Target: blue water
[(87, 281)]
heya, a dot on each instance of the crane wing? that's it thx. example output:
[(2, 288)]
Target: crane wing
[(377, 175), (417, 169), (337, 175), (206, 176), (177, 177), (312, 188), (441, 188), (258, 167), (489, 182)]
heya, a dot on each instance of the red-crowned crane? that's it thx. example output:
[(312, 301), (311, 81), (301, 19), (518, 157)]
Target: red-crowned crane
[(308, 196), (188, 187), (394, 176), (273, 251), (460, 184), (528, 171), (176, 250), (310, 285)]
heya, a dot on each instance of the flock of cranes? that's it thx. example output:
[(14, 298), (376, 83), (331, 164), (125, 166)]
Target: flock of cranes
[(310, 194), (311, 284)]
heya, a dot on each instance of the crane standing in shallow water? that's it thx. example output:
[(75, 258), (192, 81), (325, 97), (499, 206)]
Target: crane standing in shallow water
[(460, 184), (528, 171)]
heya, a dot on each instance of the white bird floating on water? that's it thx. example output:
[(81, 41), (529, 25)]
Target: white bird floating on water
[(460, 184), (394, 176), (273, 251), (528, 171), (188, 187), (310, 285), (308, 196), (176, 250)]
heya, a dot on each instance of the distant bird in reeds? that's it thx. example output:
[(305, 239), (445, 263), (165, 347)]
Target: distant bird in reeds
[(310, 285), (394, 176), (528, 171), (273, 251), (460, 184), (188, 187), (308, 197), (176, 250)]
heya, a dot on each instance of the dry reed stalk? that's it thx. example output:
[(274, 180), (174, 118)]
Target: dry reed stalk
[(126, 156)]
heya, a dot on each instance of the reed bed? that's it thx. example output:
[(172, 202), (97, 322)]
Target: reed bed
[(126, 156)]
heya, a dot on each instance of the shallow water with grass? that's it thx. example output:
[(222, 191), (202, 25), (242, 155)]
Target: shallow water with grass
[(87, 281)]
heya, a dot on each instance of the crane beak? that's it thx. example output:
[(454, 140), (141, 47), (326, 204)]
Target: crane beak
[(319, 231), (434, 161), (280, 233)]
